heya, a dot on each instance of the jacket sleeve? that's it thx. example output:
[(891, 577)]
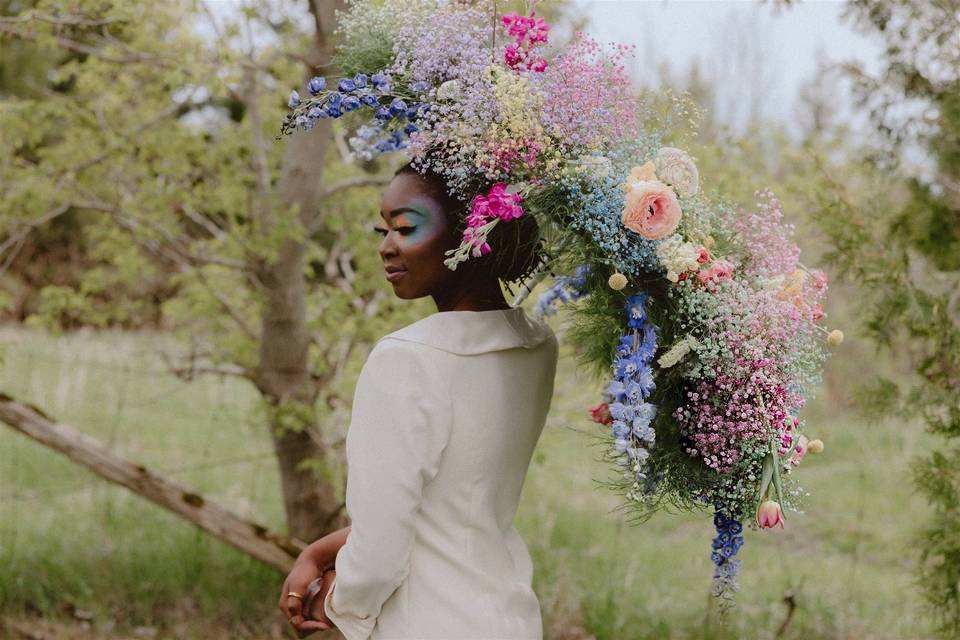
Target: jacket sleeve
[(399, 426)]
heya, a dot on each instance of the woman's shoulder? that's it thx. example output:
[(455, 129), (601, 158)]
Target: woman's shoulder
[(471, 332)]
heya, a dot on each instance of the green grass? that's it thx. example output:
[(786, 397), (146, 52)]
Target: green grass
[(70, 539)]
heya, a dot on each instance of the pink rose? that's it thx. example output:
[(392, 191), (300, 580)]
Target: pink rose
[(601, 413), (651, 209), (721, 270), (703, 255), (769, 515)]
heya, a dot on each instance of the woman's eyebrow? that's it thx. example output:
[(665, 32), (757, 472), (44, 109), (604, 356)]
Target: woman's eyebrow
[(399, 210)]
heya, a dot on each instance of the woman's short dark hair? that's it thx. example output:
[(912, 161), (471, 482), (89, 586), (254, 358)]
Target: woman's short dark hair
[(517, 245)]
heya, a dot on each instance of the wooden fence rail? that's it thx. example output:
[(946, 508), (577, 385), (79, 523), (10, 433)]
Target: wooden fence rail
[(273, 549)]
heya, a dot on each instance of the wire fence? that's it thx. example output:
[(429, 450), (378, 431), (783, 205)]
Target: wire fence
[(59, 384)]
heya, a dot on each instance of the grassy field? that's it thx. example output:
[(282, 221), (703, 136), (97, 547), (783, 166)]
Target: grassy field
[(107, 564)]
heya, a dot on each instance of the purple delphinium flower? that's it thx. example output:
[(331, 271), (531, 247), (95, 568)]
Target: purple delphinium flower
[(725, 545), (397, 106), (316, 85)]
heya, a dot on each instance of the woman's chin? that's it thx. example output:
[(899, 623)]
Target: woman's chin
[(401, 292)]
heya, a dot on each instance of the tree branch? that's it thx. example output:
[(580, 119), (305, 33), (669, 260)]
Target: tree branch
[(347, 183), (80, 47), (356, 181), (190, 370), (66, 21)]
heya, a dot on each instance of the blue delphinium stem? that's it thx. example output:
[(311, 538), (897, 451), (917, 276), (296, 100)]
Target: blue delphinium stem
[(565, 289), (726, 544), (632, 383)]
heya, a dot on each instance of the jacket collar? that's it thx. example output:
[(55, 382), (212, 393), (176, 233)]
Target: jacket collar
[(473, 332)]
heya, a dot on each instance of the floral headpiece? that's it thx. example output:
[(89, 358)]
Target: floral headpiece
[(701, 316), (475, 116)]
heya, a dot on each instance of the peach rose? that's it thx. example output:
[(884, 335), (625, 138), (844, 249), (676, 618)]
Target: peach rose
[(643, 173), (651, 209)]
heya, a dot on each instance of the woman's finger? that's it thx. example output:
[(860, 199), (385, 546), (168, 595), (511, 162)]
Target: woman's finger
[(309, 626), (283, 595), (293, 609)]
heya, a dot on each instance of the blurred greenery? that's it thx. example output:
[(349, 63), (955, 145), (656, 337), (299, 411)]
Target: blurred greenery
[(904, 255)]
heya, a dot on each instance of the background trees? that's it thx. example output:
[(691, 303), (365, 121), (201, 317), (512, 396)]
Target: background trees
[(904, 255), (141, 141)]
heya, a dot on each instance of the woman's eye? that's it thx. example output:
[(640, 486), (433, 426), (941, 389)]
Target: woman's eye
[(402, 230)]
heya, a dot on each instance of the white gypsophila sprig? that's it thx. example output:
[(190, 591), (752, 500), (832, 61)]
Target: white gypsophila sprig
[(678, 351)]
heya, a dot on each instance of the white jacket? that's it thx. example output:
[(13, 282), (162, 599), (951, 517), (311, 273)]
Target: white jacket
[(446, 414)]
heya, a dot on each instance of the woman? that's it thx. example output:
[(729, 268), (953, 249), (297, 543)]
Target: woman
[(446, 414)]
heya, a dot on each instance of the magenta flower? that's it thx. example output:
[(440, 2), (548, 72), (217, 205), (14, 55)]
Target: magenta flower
[(512, 55), (529, 32), (496, 204)]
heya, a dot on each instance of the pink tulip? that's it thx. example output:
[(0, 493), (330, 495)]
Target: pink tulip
[(769, 515), (799, 451)]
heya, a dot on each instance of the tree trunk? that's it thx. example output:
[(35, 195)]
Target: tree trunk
[(312, 505)]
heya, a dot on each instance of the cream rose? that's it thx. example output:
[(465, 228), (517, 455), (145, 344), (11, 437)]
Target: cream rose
[(677, 169)]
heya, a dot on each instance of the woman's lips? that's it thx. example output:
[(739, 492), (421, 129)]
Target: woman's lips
[(393, 276)]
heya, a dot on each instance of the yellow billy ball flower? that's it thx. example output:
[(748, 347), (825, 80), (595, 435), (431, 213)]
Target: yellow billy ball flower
[(617, 281), (835, 337), (815, 446)]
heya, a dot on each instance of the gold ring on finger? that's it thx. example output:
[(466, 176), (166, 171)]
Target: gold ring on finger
[(294, 594)]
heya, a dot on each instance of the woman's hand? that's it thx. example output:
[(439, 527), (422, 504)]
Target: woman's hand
[(313, 607), (304, 571)]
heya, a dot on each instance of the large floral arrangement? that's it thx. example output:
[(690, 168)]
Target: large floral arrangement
[(699, 314)]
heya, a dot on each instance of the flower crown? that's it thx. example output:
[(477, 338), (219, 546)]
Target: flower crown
[(505, 117), (701, 316)]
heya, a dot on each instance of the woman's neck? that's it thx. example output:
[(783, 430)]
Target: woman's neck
[(483, 298)]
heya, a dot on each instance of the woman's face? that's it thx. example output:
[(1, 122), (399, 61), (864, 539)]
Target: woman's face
[(416, 233)]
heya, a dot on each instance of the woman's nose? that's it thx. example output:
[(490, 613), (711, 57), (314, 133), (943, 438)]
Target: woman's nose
[(387, 246)]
